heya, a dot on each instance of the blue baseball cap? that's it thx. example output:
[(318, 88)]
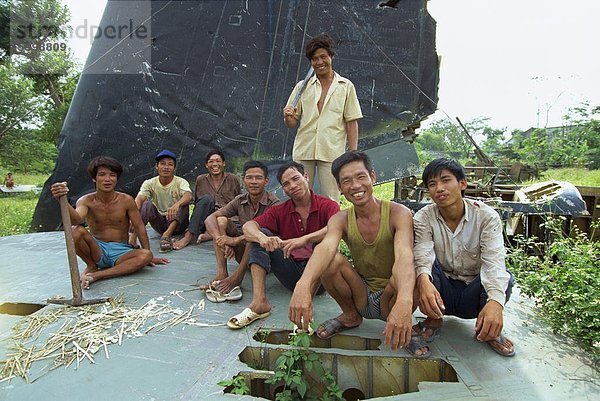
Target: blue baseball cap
[(165, 153)]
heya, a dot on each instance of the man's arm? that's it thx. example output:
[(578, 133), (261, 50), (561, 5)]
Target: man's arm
[(399, 321), (430, 300), (352, 134), (77, 215), (136, 222), (252, 233), (139, 200), (494, 279), (184, 200), (300, 308), (295, 243)]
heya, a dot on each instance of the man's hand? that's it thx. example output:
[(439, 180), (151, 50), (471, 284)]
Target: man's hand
[(271, 243), (158, 261), (225, 240), (293, 243), (228, 252), (489, 322), (59, 189), (430, 300), (300, 309), (289, 111), (398, 327), (172, 212)]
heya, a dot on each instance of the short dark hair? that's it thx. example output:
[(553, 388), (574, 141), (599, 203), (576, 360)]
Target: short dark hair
[(212, 153), (256, 164), (322, 41), (349, 157), (292, 164), (435, 167), (104, 161)]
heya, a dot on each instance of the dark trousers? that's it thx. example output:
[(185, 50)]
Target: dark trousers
[(159, 223), (288, 271), (203, 208), (461, 299)]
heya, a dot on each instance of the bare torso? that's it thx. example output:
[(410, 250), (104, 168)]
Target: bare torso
[(109, 221), (325, 85)]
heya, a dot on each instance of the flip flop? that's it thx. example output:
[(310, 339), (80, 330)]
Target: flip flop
[(332, 327), (416, 343), (234, 295), (214, 296), (420, 328), (244, 318), (502, 346), (217, 297)]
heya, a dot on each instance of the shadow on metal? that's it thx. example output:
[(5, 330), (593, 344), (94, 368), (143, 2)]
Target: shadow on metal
[(340, 341), (358, 376), (19, 309)]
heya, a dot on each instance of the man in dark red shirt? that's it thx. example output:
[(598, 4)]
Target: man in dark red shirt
[(282, 239)]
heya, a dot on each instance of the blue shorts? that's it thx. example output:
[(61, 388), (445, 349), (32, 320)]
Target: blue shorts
[(111, 252)]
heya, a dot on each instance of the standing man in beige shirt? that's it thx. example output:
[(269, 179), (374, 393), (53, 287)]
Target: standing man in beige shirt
[(326, 116), (459, 257)]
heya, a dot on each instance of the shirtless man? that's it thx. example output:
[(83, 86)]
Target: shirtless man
[(380, 281), (108, 213), (229, 239)]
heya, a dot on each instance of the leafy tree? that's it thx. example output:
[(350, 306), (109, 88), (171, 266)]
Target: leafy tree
[(19, 104)]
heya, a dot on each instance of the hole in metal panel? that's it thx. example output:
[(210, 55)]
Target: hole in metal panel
[(19, 309), (358, 376), (341, 341)]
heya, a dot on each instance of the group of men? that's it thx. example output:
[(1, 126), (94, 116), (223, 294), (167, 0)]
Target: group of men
[(447, 260)]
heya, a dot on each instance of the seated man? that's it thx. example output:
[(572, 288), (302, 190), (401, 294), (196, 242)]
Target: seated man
[(379, 284), (229, 239), (9, 182), (459, 257), (164, 201), (282, 239), (108, 213), (213, 191)]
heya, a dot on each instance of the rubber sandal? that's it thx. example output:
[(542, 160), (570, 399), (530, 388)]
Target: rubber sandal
[(332, 327), (166, 245), (416, 343), (244, 318), (420, 328)]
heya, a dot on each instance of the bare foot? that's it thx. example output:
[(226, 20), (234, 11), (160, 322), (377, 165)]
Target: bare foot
[(183, 241), (260, 306), (203, 238), (86, 280), (227, 284), (212, 284)]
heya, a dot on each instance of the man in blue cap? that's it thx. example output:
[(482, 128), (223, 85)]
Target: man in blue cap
[(164, 201)]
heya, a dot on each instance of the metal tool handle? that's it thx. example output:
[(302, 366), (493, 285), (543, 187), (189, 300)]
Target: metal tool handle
[(299, 93), (71, 255)]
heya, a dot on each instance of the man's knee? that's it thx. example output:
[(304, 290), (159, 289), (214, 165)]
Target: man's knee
[(79, 232), (222, 222), (145, 256), (336, 265)]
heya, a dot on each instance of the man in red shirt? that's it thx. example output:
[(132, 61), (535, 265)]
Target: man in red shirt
[(282, 239)]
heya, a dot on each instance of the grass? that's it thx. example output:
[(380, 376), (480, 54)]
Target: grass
[(576, 176), (17, 209)]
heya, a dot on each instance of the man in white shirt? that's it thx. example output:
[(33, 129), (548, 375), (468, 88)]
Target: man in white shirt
[(459, 258)]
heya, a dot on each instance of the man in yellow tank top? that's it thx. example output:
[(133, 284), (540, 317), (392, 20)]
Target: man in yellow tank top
[(380, 285)]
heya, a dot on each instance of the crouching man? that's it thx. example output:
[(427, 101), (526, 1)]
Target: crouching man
[(459, 257), (104, 248)]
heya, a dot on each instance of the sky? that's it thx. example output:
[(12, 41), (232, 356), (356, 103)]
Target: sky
[(521, 63)]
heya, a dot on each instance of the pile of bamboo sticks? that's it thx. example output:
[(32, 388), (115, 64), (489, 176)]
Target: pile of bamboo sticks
[(82, 332)]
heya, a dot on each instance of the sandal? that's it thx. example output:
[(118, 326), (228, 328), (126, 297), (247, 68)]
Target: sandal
[(428, 333), (166, 245), (417, 343)]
